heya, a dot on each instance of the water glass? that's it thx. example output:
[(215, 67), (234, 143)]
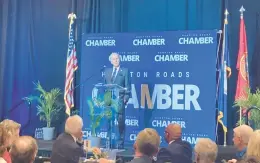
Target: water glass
[(111, 155)]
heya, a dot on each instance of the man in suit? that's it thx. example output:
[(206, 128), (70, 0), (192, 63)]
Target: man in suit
[(146, 146), (177, 150), (120, 76), (67, 148)]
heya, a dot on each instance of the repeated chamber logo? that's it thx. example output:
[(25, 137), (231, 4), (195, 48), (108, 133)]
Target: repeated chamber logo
[(100, 41), (196, 39), (149, 40)]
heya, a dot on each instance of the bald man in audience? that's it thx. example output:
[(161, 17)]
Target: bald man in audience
[(206, 151), (67, 148), (24, 150), (241, 138), (177, 150)]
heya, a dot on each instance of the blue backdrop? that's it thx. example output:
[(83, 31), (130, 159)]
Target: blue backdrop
[(173, 78)]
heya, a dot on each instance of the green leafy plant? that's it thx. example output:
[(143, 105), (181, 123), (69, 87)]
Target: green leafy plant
[(48, 104), (96, 118), (253, 99), (106, 105)]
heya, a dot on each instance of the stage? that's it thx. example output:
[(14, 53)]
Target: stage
[(45, 148)]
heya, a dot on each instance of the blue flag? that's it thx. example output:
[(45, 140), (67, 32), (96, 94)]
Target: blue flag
[(224, 73)]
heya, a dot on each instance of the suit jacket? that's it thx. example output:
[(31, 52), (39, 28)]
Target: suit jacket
[(66, 150), (143, 159), (176, 152), (122, 79)]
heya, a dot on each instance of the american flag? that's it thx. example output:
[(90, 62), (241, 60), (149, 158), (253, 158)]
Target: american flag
[(71, 67)]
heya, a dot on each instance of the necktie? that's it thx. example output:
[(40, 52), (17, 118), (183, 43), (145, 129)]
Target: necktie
[(113, 75)]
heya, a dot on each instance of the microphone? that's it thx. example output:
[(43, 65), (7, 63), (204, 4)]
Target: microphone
[(219, 32)]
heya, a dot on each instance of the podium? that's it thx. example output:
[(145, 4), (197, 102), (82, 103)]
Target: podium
[(113, 96)]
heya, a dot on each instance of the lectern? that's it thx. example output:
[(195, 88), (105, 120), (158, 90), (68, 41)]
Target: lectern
[(111, 96)]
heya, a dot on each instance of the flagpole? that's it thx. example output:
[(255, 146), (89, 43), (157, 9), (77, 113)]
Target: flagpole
[(219, 76), (71, 18), (225, 23), (217, 61), (241, 17)]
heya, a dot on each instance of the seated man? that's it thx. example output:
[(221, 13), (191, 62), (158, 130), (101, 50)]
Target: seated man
[(177, 150), (241, 138), (66, 148), (24, 150), (146, 147), (206, 151)]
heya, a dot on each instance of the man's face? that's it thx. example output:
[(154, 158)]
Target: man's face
[(115, 60), (236, 139)]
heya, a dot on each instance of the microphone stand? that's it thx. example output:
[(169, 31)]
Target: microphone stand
[(88, 78)]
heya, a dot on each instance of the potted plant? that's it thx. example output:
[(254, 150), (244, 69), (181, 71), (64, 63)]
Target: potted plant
[(253, 99), (100, 104), (48, 108)]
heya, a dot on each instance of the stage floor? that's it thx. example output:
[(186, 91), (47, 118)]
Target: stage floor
[(45, 148)]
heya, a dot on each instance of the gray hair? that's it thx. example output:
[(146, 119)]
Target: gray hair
[(206, 149), (114, 53), (244, 132), (73, 124)]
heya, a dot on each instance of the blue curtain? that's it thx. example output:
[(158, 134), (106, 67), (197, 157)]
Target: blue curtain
[(146, 15), (33, 46)]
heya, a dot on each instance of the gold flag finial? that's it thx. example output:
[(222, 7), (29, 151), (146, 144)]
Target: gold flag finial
[(72, 16)]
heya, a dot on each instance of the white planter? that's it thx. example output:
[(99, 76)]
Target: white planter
[(94, 141), (48, 133)]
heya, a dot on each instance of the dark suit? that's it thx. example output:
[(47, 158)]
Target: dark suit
[(66, 150), (176, 152), (143, 159), (122, 79)]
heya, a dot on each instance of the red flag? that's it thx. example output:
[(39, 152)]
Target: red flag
[(242, 80)]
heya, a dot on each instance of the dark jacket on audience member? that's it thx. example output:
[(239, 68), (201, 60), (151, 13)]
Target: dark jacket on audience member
[(177, 152), (143, 159), (66, 150)]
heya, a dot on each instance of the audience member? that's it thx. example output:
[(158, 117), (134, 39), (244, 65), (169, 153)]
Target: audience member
[(241, 137), (205, 151), (146, 146), (253, 148), (13, 129), (68, 146), (3, 136), (177, 150), (24, 150)]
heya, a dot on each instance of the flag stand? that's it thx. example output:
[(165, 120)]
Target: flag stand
[(225, 138)]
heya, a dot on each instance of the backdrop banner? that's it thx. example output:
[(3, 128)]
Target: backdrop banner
[(173, 80)]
